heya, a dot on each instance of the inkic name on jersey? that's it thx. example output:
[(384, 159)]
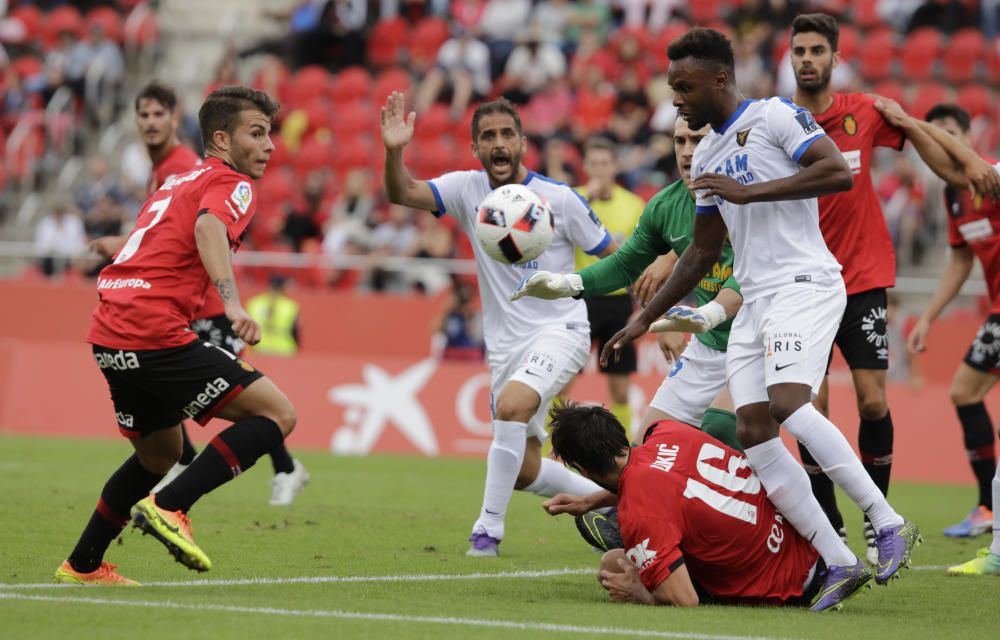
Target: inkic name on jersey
[(666, 456), (213, 390), (174, 181), (119, 361)]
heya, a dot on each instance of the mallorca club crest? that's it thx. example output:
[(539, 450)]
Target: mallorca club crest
[(850, 125)]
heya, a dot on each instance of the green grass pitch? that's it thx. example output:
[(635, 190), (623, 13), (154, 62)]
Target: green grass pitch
[(397, 528)]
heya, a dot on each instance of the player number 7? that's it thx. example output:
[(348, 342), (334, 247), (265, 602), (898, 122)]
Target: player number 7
[(135, 239)]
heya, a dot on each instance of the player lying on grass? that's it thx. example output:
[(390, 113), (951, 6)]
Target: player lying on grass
[(533, 350), (694, 391), (695, 522), (157, 370)]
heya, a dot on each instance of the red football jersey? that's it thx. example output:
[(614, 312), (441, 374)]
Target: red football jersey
[(151, 292), (686, 498), (974, 221), (178, 160), (852, 222)]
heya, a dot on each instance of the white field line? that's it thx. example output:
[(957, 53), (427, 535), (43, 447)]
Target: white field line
[(381, 617), (430, 577)]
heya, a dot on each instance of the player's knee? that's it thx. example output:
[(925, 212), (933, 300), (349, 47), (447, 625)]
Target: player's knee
[(161, 461), (872, 407), (961, 395), (781, 409), (284, 416), (514, 409)]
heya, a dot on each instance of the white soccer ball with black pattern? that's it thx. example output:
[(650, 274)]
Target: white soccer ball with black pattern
[(514, 224)]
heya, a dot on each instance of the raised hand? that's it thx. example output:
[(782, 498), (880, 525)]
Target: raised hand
[(397, 125)]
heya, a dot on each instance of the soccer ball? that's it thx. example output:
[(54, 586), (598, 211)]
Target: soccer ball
[(514, 224)]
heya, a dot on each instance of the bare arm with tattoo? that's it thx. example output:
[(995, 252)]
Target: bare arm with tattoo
[(213, 247)]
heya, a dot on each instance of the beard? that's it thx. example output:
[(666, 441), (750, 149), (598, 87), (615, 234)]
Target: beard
[(816, 84)]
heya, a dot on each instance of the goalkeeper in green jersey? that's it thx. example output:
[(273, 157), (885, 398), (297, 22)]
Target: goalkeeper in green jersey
[(694, 391)]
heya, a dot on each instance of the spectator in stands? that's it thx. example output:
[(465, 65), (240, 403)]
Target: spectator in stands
[(66, 65), (393, 237), (653, 14), (555, 164), (458, 330), (588, 15), (502, 22), (108, 61), (462, 74), (59, 238), (305, 220), (532, 66), (947, 16), (16, 100), (357, 200), (97, 183), (552, 17), (435, 240)]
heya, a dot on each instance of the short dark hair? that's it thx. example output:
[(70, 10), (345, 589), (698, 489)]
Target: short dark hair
[(950, 110), (500, 105), (599, 143), (820, 23), (222, 108), (704, 44), (162, 93), (587, 437)]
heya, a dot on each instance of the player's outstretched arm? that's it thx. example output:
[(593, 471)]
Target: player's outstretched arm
[(213, 247), (706, 247), (397, 130), (959, 267), (724, 307), (976, 173)]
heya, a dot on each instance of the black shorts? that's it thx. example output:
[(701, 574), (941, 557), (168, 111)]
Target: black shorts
[(153, 390), (862, 337), (219, 331), (608, 315), (984, 352)]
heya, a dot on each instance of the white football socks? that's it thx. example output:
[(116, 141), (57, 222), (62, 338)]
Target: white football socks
[(995, 547), (554, 478), (503, 462), (831, 450), (788, 489)]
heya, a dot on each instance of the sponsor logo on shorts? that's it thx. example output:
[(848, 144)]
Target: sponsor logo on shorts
[(126, 420), (119, 360), (874, 324), (213, 390), (123, 283), (541, 360), (786, 342), (987, 343)]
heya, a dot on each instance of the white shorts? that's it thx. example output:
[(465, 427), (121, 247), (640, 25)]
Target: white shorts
[(692, 384), (546, 364), (781, 338)]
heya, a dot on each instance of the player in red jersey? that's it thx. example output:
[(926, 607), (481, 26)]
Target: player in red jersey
[(695, 521), (973, 232), (157, 119), (157, 370), (856, 233)]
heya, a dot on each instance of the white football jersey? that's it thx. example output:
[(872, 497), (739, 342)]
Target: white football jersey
[(506, 323), (776, 244)]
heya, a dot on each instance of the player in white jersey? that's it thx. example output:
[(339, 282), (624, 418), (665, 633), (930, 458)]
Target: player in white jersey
[(761, 168), (533, 349)]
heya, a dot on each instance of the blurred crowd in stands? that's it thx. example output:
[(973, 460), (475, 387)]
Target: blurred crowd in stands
[(575, 69)]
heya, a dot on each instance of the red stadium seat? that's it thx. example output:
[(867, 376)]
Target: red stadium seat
[(425, 40), (976, 99), (892, 90), (920, 51), (279, 157), (432, 157), (849, 44), (309, 83), (433, 123), (278, 184), (965, 50), (321, 114), (26, 66), (353, 120), (351, 153), (926, 96), (387, 42), (315, 153), (658, 43), (63, 18), (866, 15), (31, 17), (141, 27), (351, 84), (875, 59), (704, 12), (389, 80), (109, 20)]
